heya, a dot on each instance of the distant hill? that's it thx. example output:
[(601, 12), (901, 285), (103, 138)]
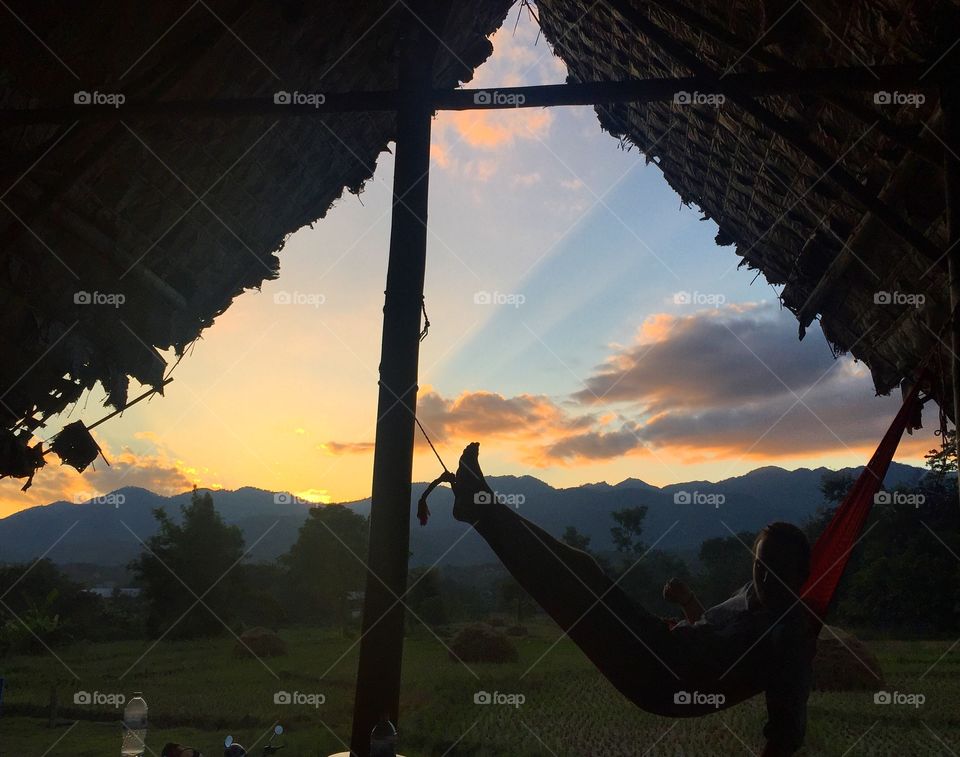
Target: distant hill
[(106, 534), (99, 533)]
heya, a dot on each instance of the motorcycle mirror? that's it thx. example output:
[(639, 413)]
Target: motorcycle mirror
[(228, 742), (278, 729)]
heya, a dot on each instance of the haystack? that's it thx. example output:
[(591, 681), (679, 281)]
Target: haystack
[(480, 642), (259, 642), (844, 663)]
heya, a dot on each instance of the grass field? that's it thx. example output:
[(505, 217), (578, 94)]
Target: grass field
[(198, 692)]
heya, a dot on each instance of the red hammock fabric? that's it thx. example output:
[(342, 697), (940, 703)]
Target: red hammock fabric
[(831, 552)]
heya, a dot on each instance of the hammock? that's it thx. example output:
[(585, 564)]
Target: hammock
[(832, 550)]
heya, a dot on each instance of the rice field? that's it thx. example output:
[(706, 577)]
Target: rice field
[(550, 702)]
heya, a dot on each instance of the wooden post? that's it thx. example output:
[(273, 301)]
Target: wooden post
[(54, 715), (950, 104), (381, 646)]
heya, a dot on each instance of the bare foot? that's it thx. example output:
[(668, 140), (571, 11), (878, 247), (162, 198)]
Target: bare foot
[(471, 493)]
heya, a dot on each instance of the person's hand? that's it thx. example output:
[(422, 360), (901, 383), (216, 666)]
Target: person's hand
[(677, 592)]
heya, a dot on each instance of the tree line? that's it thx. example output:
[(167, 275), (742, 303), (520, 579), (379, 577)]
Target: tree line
[(903, 579)]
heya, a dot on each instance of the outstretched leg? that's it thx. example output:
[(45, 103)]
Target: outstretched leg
[(630, 646)]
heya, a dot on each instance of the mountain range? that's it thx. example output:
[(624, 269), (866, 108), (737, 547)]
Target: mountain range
[(679, 517)]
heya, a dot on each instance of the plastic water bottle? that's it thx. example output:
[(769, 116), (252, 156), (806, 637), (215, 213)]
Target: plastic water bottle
[(134, 727), (383, 740)]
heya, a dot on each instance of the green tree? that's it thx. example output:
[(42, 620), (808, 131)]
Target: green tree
[(834, 486), (904, 576), (575, 539), (726, 563), (31, 630), (425, 597), (643, 579), (189, 573), (943, 459), (515, 599), (626, 534), (58, 609), (325, 566)]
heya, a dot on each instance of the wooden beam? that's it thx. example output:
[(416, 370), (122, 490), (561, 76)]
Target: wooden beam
[(382, 630), (950, 103), (749, 84)]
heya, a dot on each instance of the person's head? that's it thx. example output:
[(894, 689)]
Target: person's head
[(781, 563)]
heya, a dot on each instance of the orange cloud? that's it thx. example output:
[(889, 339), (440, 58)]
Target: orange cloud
[(492, 129), (457, 136), (440, 154), (345, 448), (156, 469), (724, 384)]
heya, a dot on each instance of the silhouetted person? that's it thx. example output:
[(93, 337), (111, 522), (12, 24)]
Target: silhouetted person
[(759, 640)]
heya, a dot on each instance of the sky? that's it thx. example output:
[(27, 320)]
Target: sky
[(584, 327)]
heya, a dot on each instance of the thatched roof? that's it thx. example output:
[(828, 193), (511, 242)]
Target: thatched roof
[(177, 216), (767, 196)]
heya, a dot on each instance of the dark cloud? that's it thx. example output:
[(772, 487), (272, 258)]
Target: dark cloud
[(731, 381), (594, 445), (718, 357), (728, 382)]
